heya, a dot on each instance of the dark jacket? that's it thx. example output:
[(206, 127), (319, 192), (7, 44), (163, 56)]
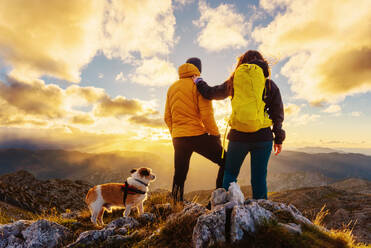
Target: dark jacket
[(273, 105)]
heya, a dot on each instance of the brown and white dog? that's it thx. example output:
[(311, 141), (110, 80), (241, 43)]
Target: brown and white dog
[(112, 195)]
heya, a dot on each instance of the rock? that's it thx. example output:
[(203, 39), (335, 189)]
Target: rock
[(122, 231), (92, 237), (291, 227), (147, 218), (10, 232), (210, 229), (127, 222), (218, 197), (246, 218), (43, 233), (192, 208), (235, 193), (290, 212), (231, 221)]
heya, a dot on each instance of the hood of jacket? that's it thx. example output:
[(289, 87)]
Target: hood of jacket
[(188, 70)]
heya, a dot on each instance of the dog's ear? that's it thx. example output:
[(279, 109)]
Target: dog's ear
[(133, 170)]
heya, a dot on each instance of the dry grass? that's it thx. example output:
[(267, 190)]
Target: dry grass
[(177, 232)]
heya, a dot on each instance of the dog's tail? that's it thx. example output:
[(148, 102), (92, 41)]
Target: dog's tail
[(91, 196)]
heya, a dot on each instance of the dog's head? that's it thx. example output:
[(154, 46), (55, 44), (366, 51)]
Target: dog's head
[(144, 174)]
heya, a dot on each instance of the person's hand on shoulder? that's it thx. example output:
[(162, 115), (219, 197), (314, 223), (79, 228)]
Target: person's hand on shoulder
[(196, 79)]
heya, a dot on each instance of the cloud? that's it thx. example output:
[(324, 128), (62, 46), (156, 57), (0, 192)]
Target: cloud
[(85, 95), (332, 109), (154, 72), (58, 38), (222, 27), (84, 119), (147, 121), (292, 109), (11, 116), (301, 120), (54, 38), (146, 27), (120, 106), (323, 65), (184, 2), (120, 77), (34, 98)]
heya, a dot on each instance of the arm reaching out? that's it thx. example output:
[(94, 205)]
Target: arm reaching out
[(218, 92)]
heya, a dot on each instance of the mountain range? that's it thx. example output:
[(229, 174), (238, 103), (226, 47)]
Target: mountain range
[(289, 170)]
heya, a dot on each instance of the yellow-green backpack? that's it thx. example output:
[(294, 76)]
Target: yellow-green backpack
[(248, 107)]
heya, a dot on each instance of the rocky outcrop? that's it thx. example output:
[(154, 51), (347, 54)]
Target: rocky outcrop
[(114, 233), (23, 190), (235, 220), (41, 233)]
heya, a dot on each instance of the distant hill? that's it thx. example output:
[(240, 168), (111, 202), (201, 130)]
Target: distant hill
[(289, 170), (333, 165), (354, 185), (94, 168), (314, 149)]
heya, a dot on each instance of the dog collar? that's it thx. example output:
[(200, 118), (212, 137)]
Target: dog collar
[(141, 182)]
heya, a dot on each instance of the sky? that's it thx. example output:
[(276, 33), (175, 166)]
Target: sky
[(92, 75)]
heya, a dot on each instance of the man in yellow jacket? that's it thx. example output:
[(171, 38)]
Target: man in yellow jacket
[(190, 118)]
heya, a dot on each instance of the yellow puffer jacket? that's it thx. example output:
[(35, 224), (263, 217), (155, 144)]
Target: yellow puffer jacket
[(187, 112)]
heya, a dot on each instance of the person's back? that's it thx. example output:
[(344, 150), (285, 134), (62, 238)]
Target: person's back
[(190, 118), (187, 113)]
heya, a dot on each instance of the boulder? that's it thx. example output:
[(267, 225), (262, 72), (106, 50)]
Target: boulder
[(41, 233), (235, 193), (115, 231), (246, 218), (232, 220), (210, 228), (92, 237), (127, 222), (218, 197), (281, 210), (9, 233)]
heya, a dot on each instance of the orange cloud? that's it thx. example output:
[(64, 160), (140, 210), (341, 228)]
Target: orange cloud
[(147, 121), (54, 38), (34, 98), (84, 119), (327, 44)]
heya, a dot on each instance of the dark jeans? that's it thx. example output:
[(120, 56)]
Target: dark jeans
[(205, 145), (260, 153)]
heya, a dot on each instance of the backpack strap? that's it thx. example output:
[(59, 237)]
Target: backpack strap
[(268, 81)]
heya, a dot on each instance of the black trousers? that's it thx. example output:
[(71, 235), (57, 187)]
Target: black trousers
[(205, 145)]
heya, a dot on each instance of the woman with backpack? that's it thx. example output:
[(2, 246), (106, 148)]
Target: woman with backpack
[(256, 106)]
